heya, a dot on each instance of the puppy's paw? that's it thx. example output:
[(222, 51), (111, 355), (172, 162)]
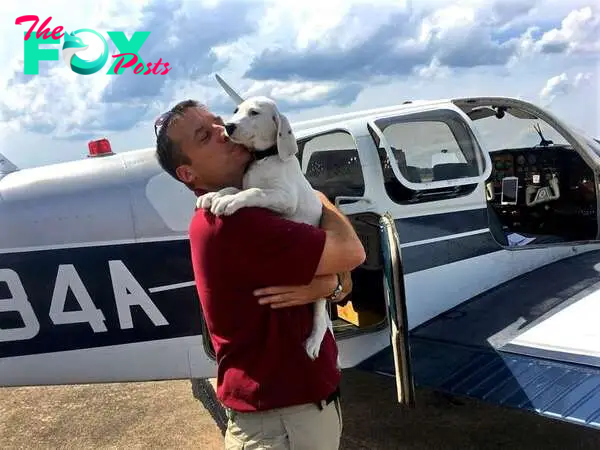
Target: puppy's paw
[(232, 206), (205, 200), (226, 205), (218, 205), (312, 347)]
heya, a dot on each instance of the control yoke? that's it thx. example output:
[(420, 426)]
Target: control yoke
[(535, 195)]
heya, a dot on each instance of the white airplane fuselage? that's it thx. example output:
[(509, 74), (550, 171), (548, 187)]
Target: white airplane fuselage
[(96, 283)]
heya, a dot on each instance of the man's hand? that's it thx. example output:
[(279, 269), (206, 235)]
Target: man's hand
[(285, 296)]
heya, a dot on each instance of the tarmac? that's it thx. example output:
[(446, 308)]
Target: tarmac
[(166, 415)]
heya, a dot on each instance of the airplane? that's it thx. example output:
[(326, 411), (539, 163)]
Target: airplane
[(479, 217)]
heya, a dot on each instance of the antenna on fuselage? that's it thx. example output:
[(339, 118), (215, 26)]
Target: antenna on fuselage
[(237, 98)]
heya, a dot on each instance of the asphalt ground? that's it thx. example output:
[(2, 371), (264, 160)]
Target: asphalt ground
[(166, 415)]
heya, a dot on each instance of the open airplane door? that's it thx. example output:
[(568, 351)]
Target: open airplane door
[(396, 305)]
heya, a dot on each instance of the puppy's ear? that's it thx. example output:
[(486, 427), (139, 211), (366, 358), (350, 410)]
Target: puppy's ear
[(286, 141)]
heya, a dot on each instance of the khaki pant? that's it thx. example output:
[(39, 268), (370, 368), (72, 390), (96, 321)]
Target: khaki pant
[(302, 427)]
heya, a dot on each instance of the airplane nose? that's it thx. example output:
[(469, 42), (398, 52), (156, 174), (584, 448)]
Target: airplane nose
[(230, 128)]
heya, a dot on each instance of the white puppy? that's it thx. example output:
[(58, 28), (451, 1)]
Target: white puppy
[(274, 180)]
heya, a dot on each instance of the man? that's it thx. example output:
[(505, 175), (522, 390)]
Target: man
[(275, 395)]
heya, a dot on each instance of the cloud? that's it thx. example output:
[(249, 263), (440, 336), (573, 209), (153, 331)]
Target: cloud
[(456, 37), (183, 35), (434, 70), (405, 42), (313, 57), (61, 103), (561, 85), (508, 12), (336, 57), (579, 33), (306, 94), (70, 106), (291, 97), (356, 46)]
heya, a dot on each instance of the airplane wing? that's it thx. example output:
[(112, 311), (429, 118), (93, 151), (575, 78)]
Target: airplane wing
[(532, 343)]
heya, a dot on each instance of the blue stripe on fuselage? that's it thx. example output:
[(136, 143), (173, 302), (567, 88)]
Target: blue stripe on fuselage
[(419, 228), (139, 266), (161, 263), (449, 248)]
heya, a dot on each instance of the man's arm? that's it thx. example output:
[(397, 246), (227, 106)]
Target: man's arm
[(273, 251), (321, 286), (343, 249)]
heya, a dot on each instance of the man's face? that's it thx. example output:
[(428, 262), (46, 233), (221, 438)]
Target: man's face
[(215, 161)]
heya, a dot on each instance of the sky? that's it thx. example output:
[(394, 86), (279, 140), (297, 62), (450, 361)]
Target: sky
[(314, 57)]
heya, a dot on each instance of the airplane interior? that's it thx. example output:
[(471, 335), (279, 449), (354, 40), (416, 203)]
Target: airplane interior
[(538, 192), (542, 194), (358, 312), (546, 193)]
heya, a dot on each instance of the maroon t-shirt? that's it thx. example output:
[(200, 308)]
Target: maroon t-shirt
[(262, 363)]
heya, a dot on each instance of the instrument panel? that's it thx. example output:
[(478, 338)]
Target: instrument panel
[(503, 166), (566, 206), (530, 167)]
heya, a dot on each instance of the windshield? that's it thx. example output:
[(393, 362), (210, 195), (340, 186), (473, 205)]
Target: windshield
[(513, 132)]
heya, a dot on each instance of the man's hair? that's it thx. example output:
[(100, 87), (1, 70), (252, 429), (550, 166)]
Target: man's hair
[(168, 151)]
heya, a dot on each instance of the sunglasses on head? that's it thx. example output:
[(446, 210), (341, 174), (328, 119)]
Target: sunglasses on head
[(160, 121)]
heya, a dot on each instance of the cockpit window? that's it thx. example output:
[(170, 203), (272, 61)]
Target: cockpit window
[(510, 132)]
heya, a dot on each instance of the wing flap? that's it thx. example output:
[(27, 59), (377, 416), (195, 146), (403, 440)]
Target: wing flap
[(570, 334)]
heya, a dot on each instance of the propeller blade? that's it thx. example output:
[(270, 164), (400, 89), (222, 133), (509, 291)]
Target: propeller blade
[(229, 90)]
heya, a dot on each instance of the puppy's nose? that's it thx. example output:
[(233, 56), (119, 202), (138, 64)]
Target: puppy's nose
[(230, 128)]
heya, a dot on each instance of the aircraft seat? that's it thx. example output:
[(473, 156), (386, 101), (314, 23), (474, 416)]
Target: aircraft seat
[(501, 232), (449, 171)]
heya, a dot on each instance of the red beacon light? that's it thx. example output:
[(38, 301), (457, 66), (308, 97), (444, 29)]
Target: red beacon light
[(99, 147)]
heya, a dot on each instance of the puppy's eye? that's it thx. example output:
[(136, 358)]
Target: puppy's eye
[(253, 113), (235, 110)]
